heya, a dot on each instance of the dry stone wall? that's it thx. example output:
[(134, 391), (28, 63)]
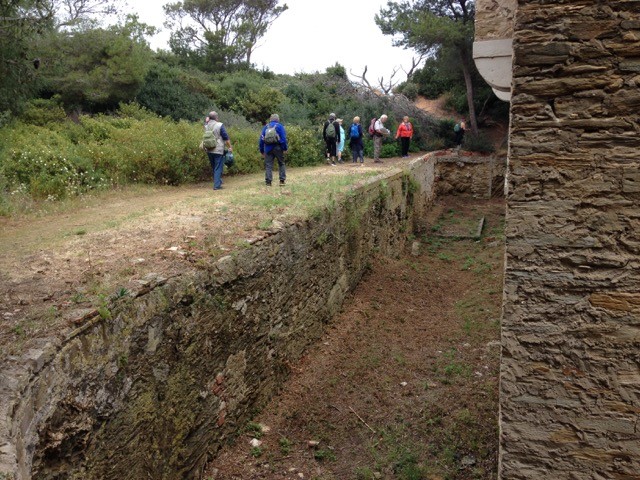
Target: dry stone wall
[(480, 176), (494, 19), (181, 364), (570, 387)]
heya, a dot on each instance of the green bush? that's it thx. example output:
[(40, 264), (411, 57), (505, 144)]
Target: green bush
[(42, 112), (57, 161), (168, 93), (66, 158), (477, 143), (45, 164), (136, 111), (409, 90), (443, 134), (246, 154), (456, 99), (305, 147)]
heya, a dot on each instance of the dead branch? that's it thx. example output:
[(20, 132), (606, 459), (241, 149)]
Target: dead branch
[(360, 418), (414, 64), (388, 87), (363, 78)]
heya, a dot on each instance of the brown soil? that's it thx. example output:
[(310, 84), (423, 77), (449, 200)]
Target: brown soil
[(404, 385), (436, 107)]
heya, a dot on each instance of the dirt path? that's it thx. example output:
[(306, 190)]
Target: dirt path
[(435, 107), (404, 385)]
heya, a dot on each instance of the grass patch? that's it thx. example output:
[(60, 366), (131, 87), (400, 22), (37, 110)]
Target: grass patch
[(451, 369), (397, 451)]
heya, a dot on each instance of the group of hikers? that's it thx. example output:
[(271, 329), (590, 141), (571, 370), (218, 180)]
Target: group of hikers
[(273, 143), (335, 137)]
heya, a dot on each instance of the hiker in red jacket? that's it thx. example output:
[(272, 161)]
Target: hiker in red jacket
[(405, 133)]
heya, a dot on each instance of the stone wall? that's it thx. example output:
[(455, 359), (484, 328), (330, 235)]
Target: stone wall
[(184, 362), (570, 387), (480, 176), (494, 19)]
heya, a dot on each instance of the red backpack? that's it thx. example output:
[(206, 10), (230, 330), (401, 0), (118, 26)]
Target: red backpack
[(372, 126)]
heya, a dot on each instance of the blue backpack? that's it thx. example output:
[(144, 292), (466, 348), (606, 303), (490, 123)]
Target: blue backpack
[(355, 131)]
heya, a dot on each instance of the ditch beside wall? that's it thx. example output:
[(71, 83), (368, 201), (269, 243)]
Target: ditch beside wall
[(154, 390)]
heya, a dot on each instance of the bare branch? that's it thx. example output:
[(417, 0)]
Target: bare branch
[(414, 64), (388, 87), (363, 78)]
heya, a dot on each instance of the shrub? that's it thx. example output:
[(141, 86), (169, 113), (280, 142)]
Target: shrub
[(456, 99), (477, 143), (46, 165), (390, 148), (409, 90), (42, 112), (247, 158), (257, 106), (443, 133), (305, 146), (153, 151), (167, 93), (136, 111)]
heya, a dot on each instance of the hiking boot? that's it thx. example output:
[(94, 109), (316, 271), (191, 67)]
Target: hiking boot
[(282, 183)]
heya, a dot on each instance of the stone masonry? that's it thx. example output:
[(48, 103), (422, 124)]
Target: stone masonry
[(479, 176), (570, 385), (175, 368)]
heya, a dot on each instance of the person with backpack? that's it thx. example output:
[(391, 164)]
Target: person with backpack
[(355, 141), (379, 131), (331, 136), (214, 140), (273, 144), (340, 146), (458, 130), (405, 133)]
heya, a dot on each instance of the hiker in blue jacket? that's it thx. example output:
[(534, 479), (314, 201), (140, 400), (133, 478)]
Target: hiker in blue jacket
[(355, 141), (273, 144)]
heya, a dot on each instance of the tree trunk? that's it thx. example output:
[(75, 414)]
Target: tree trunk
[(466, 71)]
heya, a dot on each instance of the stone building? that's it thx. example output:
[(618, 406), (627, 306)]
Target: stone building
[(570, 380)]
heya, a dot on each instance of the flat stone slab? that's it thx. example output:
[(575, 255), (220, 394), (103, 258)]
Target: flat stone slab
[(458, 227)]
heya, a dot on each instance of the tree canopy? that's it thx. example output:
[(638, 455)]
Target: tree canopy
[(218, 34), (96, 68), (23, 26), (435, 28)]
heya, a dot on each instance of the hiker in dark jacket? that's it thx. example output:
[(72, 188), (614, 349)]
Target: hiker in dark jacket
[(272, 149), (331, 136)]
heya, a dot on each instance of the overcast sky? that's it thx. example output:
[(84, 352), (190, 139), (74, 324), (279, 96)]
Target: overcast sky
[(297, 40)]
